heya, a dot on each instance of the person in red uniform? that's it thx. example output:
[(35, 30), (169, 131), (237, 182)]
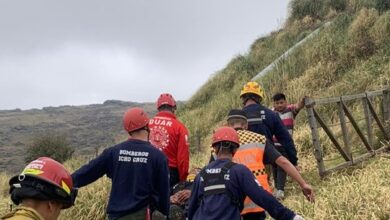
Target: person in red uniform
[(170, 136)]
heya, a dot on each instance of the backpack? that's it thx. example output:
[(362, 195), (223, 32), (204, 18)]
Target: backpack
[(215, 183)]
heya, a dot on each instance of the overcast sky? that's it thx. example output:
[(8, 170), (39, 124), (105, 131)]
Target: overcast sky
[(82, 52)]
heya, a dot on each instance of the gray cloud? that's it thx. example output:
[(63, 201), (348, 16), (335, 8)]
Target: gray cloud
[(79, 52)]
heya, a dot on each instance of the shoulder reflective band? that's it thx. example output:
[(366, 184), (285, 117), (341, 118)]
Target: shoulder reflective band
[(254, 119), (213, 187)]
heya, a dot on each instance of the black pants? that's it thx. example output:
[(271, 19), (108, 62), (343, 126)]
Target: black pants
[(138, 215), (143, 214), (254, 216), (278, 172), (173, 176)]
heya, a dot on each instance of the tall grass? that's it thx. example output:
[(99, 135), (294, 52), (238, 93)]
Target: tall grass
[(4, 198), (356, 193), (91, 200)]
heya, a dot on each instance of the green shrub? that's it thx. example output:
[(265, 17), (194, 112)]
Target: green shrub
[(357, 5), (302, 8), (382, 5), (316, 9), (338, 5), (361, 44), (49, 145), (380, 31)]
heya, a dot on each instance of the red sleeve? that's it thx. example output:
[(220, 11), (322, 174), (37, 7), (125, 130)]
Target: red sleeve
[(183, 154)]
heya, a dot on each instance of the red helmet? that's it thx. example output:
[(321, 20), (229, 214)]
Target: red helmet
[(134, 119), (43, 179), (225, 134), (166, 99)]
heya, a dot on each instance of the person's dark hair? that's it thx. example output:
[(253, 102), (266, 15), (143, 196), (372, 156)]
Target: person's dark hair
[(251, 96), (279, 96), (143, 128), (167, 108), (226, 147)]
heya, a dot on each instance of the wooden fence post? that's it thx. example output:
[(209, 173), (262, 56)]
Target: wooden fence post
[(318, 153), (368, 118), (344, 128), (376, 117), (386, 104)]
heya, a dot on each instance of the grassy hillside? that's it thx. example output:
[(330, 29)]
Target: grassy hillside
[(351, 56)]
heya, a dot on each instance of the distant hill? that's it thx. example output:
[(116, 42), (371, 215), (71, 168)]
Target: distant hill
[(86, 127)]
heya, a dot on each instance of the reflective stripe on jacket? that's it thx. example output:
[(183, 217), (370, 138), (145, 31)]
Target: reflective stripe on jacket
[(251, 154)]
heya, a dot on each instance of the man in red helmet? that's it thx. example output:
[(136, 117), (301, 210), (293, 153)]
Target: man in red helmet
[(139, 172), (170, 136), (221, 187), (42, 189)]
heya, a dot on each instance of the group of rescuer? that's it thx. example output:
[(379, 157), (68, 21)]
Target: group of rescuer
[(150, 171)]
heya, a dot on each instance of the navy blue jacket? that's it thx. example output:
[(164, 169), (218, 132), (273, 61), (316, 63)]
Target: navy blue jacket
[(139, 174), (241, 183), (263, 120)]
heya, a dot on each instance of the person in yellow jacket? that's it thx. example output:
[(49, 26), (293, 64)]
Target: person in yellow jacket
[(42, 190), (254, 152), (23, 213)]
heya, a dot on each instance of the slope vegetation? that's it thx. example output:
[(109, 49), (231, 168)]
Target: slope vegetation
[(350, 56)]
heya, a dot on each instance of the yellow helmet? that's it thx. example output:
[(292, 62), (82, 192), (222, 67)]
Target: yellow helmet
[(253, 88)]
